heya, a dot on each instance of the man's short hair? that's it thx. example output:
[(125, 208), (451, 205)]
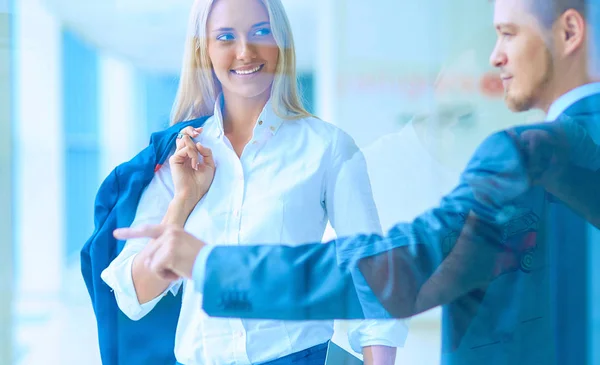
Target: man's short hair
[(547, 11)]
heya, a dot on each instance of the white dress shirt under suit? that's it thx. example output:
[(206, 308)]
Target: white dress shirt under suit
[(292, 177)]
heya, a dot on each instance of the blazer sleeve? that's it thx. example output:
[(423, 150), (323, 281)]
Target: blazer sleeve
[(315, 281)]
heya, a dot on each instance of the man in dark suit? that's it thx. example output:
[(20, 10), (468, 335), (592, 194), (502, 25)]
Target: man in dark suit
[(496, 249)]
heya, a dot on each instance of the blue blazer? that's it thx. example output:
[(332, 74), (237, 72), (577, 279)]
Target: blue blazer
[(492, 235), (150, 340)]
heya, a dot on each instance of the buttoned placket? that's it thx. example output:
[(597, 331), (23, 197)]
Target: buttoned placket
[(242, 166), (237, 195), (239, 354)]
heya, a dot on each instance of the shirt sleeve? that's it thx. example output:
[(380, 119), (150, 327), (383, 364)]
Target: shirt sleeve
[(351, 210), (391, 333), (118, 275)]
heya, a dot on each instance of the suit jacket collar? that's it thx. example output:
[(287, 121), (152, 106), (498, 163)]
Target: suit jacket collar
[(585, 106)]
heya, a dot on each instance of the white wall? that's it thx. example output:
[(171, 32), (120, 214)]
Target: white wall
[(6, 245), (122, 125), (39, 150), (54, 318), (39, 226)]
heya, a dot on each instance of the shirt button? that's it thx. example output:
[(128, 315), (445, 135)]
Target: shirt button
[(239, 334), (254, 142), (236, 213), (260, 122)]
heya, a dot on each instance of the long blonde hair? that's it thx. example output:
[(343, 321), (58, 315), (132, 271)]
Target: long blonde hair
[(199, 88)]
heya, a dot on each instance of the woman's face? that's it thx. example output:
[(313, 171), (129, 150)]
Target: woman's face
[(241, 47)]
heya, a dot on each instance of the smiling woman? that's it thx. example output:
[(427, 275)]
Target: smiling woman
[(268, 172), (224, 42), (245, 57)]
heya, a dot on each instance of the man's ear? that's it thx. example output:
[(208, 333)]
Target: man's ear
[(572, 29)]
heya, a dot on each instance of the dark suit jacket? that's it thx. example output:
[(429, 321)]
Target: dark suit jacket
[(486, 252)]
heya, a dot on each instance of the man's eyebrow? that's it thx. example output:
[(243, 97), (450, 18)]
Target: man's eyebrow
[(500, 26)]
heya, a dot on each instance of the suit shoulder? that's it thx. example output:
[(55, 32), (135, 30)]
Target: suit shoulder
[(499, 144), (498, 157)]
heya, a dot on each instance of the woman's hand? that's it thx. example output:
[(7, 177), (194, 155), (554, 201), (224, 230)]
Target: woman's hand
[(192, 168)]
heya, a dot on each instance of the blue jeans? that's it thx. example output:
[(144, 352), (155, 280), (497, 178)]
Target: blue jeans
[(311, 356)]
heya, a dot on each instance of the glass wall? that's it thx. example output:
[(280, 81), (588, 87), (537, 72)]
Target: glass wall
[(91, 81)]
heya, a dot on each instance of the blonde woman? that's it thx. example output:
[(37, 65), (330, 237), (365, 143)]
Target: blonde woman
[(262, 169)]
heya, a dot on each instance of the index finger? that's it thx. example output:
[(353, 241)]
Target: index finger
[(143, 231)]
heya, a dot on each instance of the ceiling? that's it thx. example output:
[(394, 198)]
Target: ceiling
[(150, 33)]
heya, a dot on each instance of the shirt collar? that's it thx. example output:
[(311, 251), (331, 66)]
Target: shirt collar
[(561, 104), (268, 122)]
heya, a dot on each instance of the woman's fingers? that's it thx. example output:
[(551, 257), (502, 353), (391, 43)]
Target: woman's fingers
[(191, 150), (187, 133), (185, 153), (185, 143), (191, 131), (179, 143), (206, 154)]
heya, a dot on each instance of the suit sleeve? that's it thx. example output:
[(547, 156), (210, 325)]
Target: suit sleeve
[(317, 281)]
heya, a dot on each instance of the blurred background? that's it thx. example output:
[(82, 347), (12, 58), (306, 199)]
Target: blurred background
[(83, 83)]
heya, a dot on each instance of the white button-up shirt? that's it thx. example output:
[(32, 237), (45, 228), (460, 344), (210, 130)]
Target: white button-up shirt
[(292, 177)]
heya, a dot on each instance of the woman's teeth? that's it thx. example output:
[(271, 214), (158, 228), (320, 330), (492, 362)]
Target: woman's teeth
[(248, 72)]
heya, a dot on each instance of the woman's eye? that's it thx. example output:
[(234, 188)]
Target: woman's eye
[(263, 31), (225, 37)]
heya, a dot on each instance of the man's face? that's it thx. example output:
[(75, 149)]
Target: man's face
[(522, 56)]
